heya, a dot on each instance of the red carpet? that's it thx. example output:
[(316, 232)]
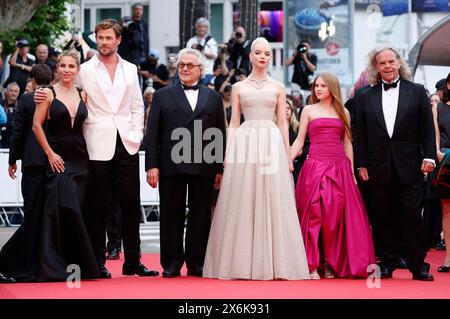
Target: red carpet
[(123, 287)]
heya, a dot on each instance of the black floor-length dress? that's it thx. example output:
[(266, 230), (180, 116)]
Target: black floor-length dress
[(53, 235)]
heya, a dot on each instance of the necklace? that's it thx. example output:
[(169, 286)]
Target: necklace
[(71, 90), (258, 83)]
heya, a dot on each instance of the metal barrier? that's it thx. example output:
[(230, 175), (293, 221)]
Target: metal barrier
[(149, 195), (11, 200)]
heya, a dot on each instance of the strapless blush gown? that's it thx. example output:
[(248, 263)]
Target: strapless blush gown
[(255, 232)]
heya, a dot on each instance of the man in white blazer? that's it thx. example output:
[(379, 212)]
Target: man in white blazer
[(113, 131)]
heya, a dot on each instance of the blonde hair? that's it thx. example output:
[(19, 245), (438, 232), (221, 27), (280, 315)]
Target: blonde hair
[(333, 85), (372, 71), (293, 122), (71, 53), (260, 40)]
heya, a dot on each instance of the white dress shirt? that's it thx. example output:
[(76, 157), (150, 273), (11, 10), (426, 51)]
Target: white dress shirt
[(114, 89), (192, 96), (390, 105)]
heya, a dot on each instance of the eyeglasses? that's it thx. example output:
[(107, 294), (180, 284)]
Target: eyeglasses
[(189, 66)]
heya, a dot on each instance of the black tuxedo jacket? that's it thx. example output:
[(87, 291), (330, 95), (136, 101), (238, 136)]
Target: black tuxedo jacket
[(171, 110), (349, 105), (413, 138), (23, 143)]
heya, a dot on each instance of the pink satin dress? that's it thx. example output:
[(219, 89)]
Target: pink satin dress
[(332, 215)]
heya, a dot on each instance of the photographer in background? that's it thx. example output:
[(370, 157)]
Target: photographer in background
[(154, 73), (206, 44), (20, 65), (304, 65), (222, 67), (9, 104), (134, 46), (75, 44), (239, 49)]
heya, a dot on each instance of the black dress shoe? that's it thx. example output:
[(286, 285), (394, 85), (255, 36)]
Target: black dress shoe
[(6, 280), (401, 264), (385, 272), (440, 245), (104, 273), (423, 276), (444, 269), (171, 273), (138, 269), (113, 254), (195, 271)]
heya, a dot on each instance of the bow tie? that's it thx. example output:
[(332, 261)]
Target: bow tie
[(188, 87), (387, 86)]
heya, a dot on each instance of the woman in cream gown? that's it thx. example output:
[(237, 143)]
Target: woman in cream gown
[(255, 233)]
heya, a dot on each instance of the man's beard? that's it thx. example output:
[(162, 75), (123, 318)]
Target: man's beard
[(108, 53)]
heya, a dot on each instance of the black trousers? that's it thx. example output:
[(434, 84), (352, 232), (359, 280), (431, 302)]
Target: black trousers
[(118, 177), (33, 187), (114, 225), (172, 195), (432, 220), (19, 255), (395, 212)]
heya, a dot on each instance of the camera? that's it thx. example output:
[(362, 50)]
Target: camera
[(126, 21), (302, 49), (238, 35), (22, 43), (198, 47), (223, 48)]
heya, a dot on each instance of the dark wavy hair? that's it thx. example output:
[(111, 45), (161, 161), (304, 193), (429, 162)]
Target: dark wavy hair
[(445, 96)]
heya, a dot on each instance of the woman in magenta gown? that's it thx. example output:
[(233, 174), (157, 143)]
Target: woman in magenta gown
[(333, 219)]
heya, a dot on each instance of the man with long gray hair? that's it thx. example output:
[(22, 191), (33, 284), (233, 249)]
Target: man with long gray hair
[(394, 147)]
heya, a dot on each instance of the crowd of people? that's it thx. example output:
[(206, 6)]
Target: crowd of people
[(288, 191)]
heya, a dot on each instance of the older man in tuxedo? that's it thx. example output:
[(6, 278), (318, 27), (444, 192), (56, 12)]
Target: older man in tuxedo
[(196, 109), (394, 147)]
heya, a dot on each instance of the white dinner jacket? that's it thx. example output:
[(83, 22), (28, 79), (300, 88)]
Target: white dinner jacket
[(104, 120)]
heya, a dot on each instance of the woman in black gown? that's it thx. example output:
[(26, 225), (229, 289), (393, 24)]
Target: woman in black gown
[(61, 238)]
